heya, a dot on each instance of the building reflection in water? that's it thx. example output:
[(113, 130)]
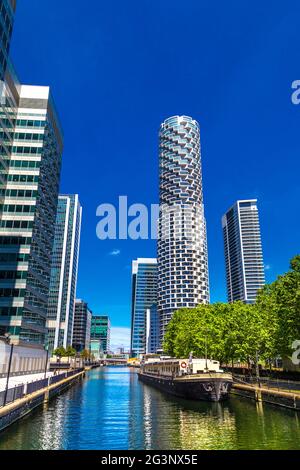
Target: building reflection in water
[(112, 410)]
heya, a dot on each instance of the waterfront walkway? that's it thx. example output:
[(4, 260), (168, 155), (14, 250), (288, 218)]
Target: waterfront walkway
[(22, 380)]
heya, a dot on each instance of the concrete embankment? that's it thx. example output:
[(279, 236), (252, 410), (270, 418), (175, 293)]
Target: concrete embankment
[(267, 395), (21, 407)]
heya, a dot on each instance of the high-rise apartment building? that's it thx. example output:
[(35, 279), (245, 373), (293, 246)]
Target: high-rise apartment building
[(100, 331), (182, 244), (30, 173), (82, 326), (143, 305), (243, 251), (64, 268)]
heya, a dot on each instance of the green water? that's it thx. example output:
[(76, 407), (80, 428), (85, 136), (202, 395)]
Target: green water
[(110, 409)]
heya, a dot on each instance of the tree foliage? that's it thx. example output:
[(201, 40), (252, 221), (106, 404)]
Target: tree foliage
[(237, 331), (62, 352), (85, 354), (281, 302), (227, 332)]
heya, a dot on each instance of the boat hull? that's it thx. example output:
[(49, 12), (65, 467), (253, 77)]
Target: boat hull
[(213, 387)]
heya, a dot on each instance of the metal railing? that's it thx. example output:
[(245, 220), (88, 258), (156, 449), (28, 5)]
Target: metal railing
[(12, 394), (268, 382), (36, 385), (19, 391)]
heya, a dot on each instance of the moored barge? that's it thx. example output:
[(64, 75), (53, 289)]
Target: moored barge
[(196, 379)]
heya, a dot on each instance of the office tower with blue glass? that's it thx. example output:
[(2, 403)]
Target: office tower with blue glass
[(100, 332), (82, 326), (182, 244), (144, 318), (30, 176), (64, 268), (243, 251)]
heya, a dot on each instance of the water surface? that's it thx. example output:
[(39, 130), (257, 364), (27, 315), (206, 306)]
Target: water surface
[(111, 409)]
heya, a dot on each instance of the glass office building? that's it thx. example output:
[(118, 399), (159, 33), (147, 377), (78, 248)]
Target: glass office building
[(100, 330), (143, 306), (64, 268), (182, 244), (7, 11), (9, 89), (152, 330), (31, 144), (82, 326), (29, 189), (243, 251)]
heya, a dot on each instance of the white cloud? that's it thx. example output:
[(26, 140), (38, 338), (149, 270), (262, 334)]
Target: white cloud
[(119, 337), (267, 267), (115, 252)]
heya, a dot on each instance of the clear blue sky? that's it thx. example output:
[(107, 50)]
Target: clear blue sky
[(118, 68)]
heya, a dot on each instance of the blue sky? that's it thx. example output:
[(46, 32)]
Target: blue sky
[(117, 69)]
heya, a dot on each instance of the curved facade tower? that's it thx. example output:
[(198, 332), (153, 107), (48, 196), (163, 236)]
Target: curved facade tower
[(182, 245)]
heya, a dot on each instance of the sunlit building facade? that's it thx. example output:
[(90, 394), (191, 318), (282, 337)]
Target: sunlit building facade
[(143, 305), (243, 251), (82, 326), (30, 175), (100, 331), (182, 244), (64, 268), (7, 12)]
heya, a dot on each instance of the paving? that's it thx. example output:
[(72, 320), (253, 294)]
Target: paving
[(22, 379)]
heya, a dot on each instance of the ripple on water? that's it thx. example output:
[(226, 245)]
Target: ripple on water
[(112, 410)]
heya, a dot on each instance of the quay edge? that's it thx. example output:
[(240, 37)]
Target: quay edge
[(266, 395), (20, 408)]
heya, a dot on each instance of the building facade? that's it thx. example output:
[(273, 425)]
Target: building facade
[(182, 244), (26, 360), (64, 268), (82, 326), (7, 12), (243, 251), (30, 174), (100, 331), (152, 330), (143, 304)]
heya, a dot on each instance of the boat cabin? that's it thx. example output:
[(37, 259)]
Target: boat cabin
[(180, 367)]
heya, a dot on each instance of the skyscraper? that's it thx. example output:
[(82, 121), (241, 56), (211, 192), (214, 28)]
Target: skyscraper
[(7, 11), (30, 171), (152, 330), (182, 245), (100, 330), (243, 251), (144, 304), (82, 326), (65, 256)]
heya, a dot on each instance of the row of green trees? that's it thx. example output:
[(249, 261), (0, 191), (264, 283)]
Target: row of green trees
[(71, 352), (240, 332)]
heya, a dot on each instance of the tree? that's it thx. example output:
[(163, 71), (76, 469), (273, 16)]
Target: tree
[(70, 351), (85, 354), (280, 302), (238, 331), (60, 351), (226, 332)]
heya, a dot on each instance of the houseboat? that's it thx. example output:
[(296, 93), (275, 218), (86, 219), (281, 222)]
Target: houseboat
[(196, 379)]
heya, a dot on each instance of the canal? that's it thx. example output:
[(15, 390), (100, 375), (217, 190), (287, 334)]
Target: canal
[(110, 409)]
